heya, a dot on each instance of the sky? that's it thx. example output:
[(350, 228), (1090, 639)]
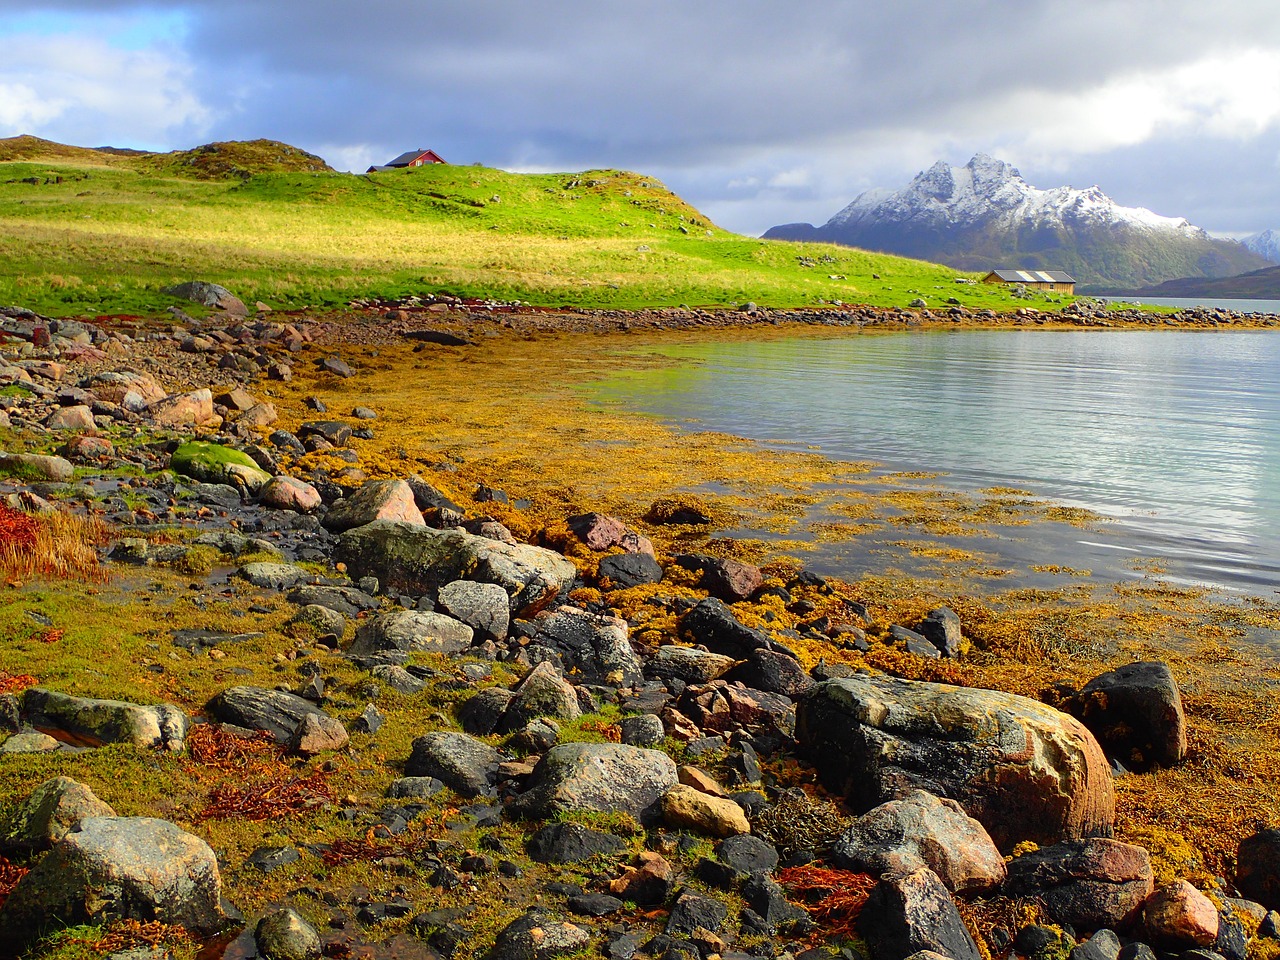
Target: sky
[(758, 112)]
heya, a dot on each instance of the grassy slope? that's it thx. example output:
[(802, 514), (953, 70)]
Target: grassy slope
[(85, 232)]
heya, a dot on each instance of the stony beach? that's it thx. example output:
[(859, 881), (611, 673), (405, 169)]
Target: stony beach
[(346, 634)]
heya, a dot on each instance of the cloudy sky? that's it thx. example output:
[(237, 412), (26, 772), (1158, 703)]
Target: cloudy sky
[(758, 111)]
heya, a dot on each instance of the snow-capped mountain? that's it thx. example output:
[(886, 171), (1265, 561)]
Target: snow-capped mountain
[(1265, 244), (985, 215)]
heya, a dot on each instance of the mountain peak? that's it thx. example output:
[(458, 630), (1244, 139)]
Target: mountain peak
[(984, 213)]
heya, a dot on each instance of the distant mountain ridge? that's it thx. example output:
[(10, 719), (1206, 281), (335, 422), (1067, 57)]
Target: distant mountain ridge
[(1258, 285), (985, 215), (1265, 244)]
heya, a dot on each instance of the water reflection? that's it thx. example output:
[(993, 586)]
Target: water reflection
[(1176, 434)]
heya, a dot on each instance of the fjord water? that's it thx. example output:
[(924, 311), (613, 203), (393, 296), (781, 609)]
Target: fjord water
[(1173, 435)]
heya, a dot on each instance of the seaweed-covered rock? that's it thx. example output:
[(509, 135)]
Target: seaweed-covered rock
[(1022, 769), (214, 463)]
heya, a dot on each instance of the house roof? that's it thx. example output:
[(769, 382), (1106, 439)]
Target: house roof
[(407, 158), (1033, 276)]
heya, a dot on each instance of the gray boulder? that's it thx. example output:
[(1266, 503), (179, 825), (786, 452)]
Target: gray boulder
[(596, 648), (1089, 884), (50, 813), (90, 722), (464, 764), (600, 778), (1136, 713), (874, 738), (420, 560), (484, 607), (688, 664), (539, 936), (542, 693), (941, 627), (921, 830), (56, 469), (255, 708), (411, 630), (117, 868), (273, 576)]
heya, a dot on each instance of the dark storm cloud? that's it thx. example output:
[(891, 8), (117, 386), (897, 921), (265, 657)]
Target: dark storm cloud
[(731, 99)]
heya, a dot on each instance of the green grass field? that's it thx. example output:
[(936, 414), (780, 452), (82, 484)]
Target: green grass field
[(83, 232)]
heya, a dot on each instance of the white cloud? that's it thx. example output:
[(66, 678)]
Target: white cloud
[(83, 90)]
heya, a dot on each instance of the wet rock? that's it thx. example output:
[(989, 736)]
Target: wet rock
[(462, 763), (597, 777), (411, 630), (91, 722), (571, 843), (1179, 915), (1136, 713), (285, 935), (385, 500), (907, 913), (482, 606), (420, 560), (255, 708), (1089, 884), (117, 868), (50, 813), (873, 738), (595, 648), (921, 830), (683, 807)]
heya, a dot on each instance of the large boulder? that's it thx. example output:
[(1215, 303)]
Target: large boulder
[(596, 648), (597, 778), (117, 868), (542, 693), (92, 723), (1089, 884), (57, 469), (290, 493), (687, 664), (182, 409), (921, 830), (712, 624), (386, 500), (411, 630), (50, 813), (420, 560), (1022, 769), (1180, 916), (277, 712), (483, 607), (214, 463), (464, 764), (1135, 711)]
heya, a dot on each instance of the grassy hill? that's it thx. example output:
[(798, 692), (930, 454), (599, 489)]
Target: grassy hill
[(92, 231), (1257, 285)]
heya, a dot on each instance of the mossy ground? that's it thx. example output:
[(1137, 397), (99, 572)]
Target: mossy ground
[(512, 412)]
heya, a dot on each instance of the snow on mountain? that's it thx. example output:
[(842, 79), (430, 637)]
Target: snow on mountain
[(1265, 244), (985, 215), (987, 191)]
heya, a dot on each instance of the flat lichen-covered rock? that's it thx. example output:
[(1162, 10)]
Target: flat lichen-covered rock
[(419, 560), (90, 722), (1020, 768)]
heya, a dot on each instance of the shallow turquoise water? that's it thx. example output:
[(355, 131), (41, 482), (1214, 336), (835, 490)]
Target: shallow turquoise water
[(1174, 435)]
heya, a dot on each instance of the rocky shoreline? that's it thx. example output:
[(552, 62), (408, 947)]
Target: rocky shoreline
[(623, 738)]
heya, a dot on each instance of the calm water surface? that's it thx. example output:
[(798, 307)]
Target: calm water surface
[(1174, 435)]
